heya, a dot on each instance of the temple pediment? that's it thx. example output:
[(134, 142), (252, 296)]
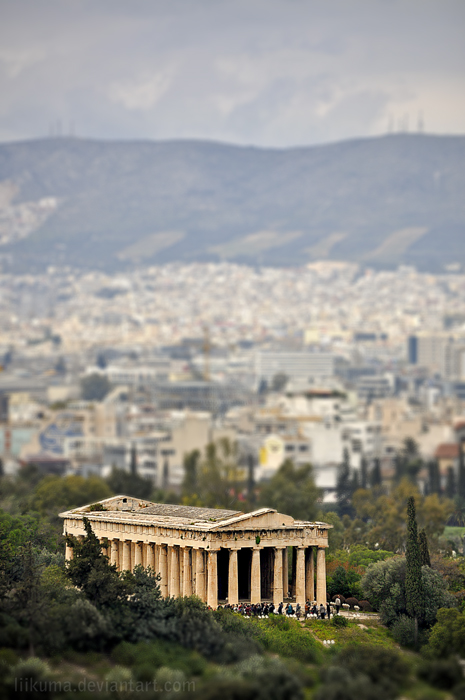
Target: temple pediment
[(258, 519)]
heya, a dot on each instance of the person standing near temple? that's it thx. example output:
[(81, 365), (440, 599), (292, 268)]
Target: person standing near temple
[(328, 610)]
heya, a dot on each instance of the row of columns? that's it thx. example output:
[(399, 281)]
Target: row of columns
[(184, 571)]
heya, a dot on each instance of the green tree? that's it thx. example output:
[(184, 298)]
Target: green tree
[(376, 479), (447, 636), (292, 490), (279, 382), (219, 479), (191, 473), (94, 387), (451, 488), (434, 478), (57, 493), (382, 521), (461, 474), (413, 584), (91, 572), (336, 533), (133, 464), (364, 473), (384, 585), (346, 583), (424, 551), (122, 482), (344, 488)]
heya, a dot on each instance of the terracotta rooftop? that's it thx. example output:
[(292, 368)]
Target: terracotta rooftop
[(447, 450)]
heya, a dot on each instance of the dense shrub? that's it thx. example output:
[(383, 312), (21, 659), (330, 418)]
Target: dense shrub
[(347, 582), (340, 621), (271, 679), (362, 672), (35, 670), (351, 601), (228, 688), (403, 631), (447, 636), (158, 654), (340, 684), (365, 606), (288, 639), (441, 673)]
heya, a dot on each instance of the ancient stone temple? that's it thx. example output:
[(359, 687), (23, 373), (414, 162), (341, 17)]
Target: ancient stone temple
[(219, 555)]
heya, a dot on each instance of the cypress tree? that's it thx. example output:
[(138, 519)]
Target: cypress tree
[(363, 473), (191, 465), (413, 583), (399, 465), (461, 475), (424, 551), (133, 464), (434, 479), (376, 473), (450, 483), (344, 486)]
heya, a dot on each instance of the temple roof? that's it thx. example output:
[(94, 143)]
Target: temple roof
[(126, 508)]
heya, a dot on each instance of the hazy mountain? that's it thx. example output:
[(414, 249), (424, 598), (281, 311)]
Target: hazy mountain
[(381, 201)]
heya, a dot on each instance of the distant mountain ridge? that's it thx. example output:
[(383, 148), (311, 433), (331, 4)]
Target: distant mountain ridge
[(381, 201)]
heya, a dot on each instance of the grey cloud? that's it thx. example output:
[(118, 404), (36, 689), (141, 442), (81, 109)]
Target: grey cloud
[(270, 72)]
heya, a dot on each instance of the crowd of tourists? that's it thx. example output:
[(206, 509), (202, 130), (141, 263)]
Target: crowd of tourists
[(263, 610)]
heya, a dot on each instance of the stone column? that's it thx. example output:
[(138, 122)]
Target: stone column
[(174, 573), (233, 583), (68, 552), (255, 583), (200, 574), (149, 555), (285, 573), (126, 555), (300, 577), (321, 576), (309, 576), (212, 579), (133, 555), (138, 553), (163, 566), (278, 575), (114, 558), (156, 558), (187, 572)]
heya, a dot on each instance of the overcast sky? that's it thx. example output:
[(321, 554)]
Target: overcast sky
[(264, 72)]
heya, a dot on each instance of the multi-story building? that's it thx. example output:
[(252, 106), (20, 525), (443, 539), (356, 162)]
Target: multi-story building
[(303, 367)]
